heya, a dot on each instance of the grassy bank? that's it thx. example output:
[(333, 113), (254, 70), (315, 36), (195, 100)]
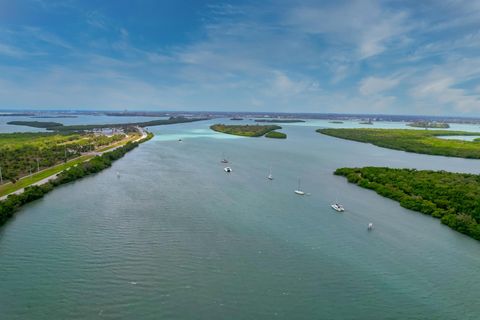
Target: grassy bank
[(245, 130), (418, 141), (27, 181), (452, 197), (22, 153), (98, 163)]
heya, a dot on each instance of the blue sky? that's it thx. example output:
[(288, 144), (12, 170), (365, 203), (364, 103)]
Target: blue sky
[(394, 57)]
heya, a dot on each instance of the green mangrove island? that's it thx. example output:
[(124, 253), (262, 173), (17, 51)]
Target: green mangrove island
[(55, 126), (276, 135), (452, 197), (417, 141), (427, 124), (250, 130)]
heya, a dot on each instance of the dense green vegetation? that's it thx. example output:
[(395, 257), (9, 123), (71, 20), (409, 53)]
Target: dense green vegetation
[(36, 124), (23, 153), (453, 197), (418, 141), (244, 130), (279, 120), (97, 164), (127, 127), (427, 124), (8, 188), (276, 135)]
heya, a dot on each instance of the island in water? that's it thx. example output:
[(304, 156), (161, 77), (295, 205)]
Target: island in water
[(59, 127), (417, 141), (452, 197), (369, 121), (250, 130), (276, 135), (429, 124)]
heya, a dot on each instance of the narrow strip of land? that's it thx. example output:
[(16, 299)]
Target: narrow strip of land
[(51, 173), (13, 202)]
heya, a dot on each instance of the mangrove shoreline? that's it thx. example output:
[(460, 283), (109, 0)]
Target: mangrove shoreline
[(451, 197)]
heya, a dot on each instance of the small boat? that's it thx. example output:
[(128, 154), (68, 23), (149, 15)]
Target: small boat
[(270, 177), (118, 174), (180, 140), (227, 169), (224, 160), (338, 207), (370, 226), (299, 190)]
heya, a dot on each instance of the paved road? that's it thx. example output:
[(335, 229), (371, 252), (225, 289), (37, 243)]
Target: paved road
[(54, 176)]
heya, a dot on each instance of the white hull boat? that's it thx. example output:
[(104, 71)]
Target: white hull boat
[(299, 190), (338, 207)]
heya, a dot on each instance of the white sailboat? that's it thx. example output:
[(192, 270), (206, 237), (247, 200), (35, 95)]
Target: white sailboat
[(299, 190), (270, 177)]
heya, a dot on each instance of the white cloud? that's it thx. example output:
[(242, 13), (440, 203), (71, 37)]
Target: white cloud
[(364, 24), (270, 57), (443, 85), (375, 85)]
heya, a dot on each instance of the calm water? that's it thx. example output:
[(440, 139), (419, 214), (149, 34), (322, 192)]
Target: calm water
[(176, 238)]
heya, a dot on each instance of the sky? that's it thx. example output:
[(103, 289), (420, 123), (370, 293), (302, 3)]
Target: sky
[(367, 56)]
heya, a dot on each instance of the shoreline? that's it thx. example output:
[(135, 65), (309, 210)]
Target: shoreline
[(20, 186), (14, 201)]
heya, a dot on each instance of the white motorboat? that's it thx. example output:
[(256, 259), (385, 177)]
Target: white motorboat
[(370, 226), (338, 207), (227, 169)]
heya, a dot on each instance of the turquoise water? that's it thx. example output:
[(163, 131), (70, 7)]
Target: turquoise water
[(465, 138), (174, 237)]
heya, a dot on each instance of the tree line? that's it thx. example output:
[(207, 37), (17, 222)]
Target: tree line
[(452, 197)]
